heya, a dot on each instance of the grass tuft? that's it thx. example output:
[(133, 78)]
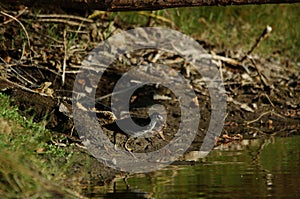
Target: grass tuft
[(31, 166)]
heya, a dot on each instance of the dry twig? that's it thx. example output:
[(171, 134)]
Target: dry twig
[(65, 16), (263, 36), (26, 33), (11, 19), (65, 58), (261, 76), (263, 114), (71, 23)]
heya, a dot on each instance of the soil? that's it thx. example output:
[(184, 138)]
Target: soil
[(263, 95)]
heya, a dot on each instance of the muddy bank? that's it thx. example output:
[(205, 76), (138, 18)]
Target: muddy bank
[(262, 94)]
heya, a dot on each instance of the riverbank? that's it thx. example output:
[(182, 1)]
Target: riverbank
[(41, 58)]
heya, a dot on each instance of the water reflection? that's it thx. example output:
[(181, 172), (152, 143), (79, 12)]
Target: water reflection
[(258, 168)]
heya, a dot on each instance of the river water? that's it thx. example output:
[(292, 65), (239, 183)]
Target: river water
[(260, 168)]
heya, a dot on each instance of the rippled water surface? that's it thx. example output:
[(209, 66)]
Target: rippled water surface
[(262, 168)]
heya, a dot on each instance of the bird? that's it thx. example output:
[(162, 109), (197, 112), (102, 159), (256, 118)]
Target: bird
[(147, 126)]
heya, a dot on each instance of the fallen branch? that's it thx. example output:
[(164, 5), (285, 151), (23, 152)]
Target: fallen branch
[(126, 5)]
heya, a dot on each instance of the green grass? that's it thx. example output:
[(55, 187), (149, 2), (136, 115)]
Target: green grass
[(31, 166), (236, 28)]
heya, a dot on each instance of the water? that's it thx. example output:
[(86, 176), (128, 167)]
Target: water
[(262, 168)]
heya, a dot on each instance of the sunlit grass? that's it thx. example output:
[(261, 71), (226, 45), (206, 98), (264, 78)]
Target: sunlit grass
[(30, 165), (236, 28)]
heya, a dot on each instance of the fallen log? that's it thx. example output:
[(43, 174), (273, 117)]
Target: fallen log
[(130, 5)]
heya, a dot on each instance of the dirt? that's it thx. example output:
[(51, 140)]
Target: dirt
[(262, 99)]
